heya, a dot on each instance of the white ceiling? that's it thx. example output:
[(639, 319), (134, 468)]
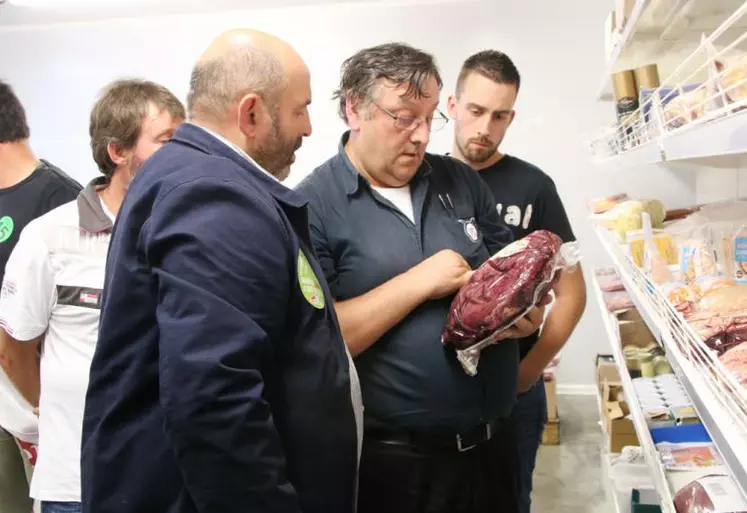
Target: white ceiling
[(68, 12)]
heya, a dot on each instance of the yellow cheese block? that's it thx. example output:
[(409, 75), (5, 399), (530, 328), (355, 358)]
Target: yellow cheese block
[(663, 241)]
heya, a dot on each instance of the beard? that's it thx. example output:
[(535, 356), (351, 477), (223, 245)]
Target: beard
[(477, 154), (277, 154), (133, 169)]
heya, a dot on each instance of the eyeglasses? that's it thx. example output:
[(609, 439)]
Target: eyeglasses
[(412, 123)]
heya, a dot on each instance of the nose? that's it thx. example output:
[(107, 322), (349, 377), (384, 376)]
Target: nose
[(483, 125), (421, 135), (307, 127)]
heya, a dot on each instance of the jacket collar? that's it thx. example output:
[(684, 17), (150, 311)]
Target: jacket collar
[(352, 179), (203, 140), (91, 213)]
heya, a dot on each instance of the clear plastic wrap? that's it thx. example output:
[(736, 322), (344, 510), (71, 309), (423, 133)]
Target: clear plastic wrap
[(689, 456), (609, 280), (617, 301), (504, 289), (735, 358), (710, 494)]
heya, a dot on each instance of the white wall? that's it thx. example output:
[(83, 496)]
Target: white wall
[(57, 70)]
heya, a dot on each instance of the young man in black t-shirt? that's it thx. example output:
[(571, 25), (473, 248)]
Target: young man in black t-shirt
[(29, 188), (483, 109)]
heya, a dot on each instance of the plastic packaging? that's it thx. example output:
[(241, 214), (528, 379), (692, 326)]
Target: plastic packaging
[(626, 216), (710, 494), (689, 456), (735, 361), (727, 74), (609, 280), (617, 301), (503, 290)]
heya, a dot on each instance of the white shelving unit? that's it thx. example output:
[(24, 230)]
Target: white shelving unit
[(719, 400), (684, 38), (664, 31), (726, 136), (653, 461)]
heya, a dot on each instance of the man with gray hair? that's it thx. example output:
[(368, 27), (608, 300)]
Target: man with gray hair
[(398, 231), (227, 387)]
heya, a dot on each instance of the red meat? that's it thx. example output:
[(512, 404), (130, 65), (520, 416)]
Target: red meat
[(502, 289)]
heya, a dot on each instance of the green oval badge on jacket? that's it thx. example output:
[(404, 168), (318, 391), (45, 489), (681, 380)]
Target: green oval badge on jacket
[(6, 228), (309, 283)]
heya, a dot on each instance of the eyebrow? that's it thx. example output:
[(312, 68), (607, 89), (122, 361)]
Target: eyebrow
[(472, 105), (406, 103)]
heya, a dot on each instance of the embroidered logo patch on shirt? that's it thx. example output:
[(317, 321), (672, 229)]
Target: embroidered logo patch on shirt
[(309, 283), (470, 229)]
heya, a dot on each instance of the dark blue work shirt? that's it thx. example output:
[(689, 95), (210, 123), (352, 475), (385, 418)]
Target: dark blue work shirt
[(220, 380), (408, 379)]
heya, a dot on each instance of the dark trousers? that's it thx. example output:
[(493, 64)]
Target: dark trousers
[(401, 479), (524, 431)]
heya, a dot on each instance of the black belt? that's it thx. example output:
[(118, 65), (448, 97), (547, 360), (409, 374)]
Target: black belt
[(426, 441)]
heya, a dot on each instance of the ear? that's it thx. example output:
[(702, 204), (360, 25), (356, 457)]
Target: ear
[(118, 154), (451, 106), (354, 111), (251, 115)]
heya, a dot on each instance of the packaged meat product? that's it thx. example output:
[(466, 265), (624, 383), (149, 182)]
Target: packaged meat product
[(735, 254), (733, 78), (697, 258), (504, 289), (733, 335), (685, 107), (689, 456), (609, 280), (725, 299), (682, 296), (617, 301), (717, 493), (735, 361)]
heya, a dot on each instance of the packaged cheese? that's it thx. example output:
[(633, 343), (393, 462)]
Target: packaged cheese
[(664, 242)]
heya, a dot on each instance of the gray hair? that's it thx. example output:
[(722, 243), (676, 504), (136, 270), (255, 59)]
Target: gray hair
[(398, 63), (216, 84)]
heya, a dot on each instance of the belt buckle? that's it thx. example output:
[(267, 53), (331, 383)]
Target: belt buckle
[(462, 448)]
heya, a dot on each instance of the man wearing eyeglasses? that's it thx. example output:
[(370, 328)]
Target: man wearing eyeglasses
[(398, 232)]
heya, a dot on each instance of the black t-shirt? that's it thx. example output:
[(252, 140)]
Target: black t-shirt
[(527, 201), (43, 190)]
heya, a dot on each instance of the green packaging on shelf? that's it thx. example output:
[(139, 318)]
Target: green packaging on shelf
[(638, 506)]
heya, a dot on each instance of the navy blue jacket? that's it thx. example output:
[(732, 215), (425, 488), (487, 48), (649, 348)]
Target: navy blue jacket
[(217, 385)]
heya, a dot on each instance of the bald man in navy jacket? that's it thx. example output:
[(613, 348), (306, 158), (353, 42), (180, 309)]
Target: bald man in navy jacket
[(221, 382)]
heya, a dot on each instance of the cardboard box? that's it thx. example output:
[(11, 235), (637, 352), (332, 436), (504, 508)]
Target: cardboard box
[(635, 333), (606, 371), (551, 433), (631, 314), (620, 429), (551, 391)]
